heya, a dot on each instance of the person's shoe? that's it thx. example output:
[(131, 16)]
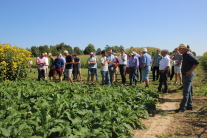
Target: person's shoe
[(180, 88), (175, 82), (189, 108), (181, 84), (130, 84), (159, 90), (179, 110), (147, 86)]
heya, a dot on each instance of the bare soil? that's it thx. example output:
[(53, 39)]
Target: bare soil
[(167, 124)]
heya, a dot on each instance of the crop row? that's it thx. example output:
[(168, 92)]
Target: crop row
[(48, 110)]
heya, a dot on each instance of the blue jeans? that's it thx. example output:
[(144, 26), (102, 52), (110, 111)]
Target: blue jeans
[(133, 75), (187, 91), (105, 78), (41, 74)]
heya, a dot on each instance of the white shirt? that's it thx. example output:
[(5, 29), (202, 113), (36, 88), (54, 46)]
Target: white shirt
[(164, 62), (46, 61), (104, 67), (121, 62)]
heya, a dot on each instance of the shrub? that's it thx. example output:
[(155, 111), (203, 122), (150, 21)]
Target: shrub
[(13, 62)]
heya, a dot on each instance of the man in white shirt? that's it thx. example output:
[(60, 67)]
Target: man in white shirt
[(104, 69), (122, 65), (46, 65), (164, 69)]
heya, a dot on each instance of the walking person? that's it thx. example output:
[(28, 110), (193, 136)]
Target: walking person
[(145, 65), (188, 66), (163, 71), (155, 64), (178, 58), (104, 69), (122, 66), (133, 66), (58, 67), (51, 64), (40, 61), (68, 66), (92, 66)]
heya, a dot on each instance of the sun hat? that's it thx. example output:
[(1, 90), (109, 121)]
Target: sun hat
[(144, 50), (183, 46), (65, 51), (49, 54)]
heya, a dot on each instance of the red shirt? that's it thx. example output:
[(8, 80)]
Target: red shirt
[(117, 62)]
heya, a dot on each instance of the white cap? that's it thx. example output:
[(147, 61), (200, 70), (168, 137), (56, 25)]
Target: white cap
[(65, 51), (144, 50), (91, 53)]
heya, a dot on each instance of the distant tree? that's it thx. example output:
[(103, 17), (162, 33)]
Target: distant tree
[(205, 54), (77, 50), (194, 53), (98, 51), (35, 51), (114, 48), (62, 47), (44, 49), (89, 48)]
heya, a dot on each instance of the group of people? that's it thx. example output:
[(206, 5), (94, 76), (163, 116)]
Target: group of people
[(136, 65), (68, 66)]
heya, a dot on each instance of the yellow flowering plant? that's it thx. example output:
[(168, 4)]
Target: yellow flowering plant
[(13, 62)]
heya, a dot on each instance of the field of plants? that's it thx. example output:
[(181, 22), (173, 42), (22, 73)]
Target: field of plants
[(48, 109)]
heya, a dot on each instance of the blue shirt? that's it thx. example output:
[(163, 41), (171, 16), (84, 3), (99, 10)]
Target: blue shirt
[(59, 63), (111, 58), (134, 62), (146, 58), (92, 60)]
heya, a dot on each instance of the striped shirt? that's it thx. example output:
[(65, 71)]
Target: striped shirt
[(157, 59)]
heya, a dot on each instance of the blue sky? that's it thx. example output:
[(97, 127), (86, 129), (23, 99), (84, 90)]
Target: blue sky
[(157, 23)]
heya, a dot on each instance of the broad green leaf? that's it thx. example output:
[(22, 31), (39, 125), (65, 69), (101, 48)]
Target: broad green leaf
[(5, 132)]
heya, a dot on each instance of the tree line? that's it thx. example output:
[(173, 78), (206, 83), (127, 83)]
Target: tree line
[(59, 48)]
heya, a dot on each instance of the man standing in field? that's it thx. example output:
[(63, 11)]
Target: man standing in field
[(145, 65), (164, 67), (51, 64), (122, 65), (40, 61), (116, 64), (59, 67), (92, 66), (188, 66), (155, 65), (104, 69), (46, 65), (68, 66), (133, 66), (112, 61), (77, 63), (30, 65)]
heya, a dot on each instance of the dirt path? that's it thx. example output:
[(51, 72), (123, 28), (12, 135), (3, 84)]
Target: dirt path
[(161, 122)]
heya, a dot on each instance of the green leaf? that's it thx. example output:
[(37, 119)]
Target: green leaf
[(5, 132)]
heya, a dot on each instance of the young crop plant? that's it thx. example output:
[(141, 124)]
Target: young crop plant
[(49, 110)]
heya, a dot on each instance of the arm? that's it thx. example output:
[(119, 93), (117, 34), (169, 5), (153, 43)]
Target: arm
[(190, 71), (167, 68)]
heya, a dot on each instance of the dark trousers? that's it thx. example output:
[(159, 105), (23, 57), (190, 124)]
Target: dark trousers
[(111, 72), (163, 80), (133, 75), (41, 74), (155, 70), (172, 73), (122, 69)]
